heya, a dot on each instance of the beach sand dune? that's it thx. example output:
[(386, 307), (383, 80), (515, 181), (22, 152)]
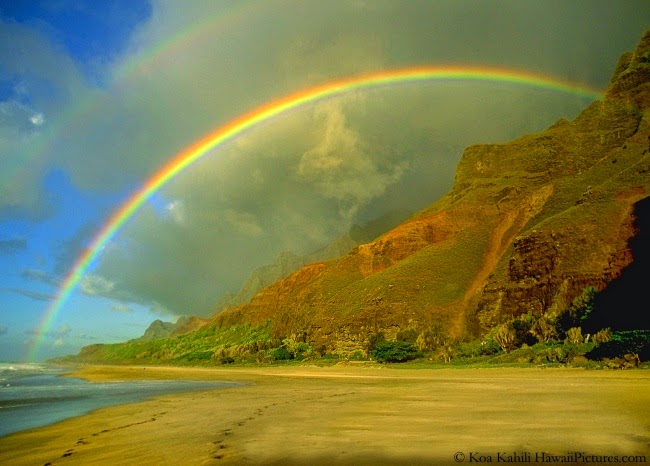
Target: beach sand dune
[(353, 415)]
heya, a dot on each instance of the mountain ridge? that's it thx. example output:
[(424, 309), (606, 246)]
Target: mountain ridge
[(287, 261), (529, 232), (510, 205)]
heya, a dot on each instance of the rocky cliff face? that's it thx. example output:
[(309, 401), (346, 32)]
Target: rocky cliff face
[(526, 227), (582, 238), (288, 262)]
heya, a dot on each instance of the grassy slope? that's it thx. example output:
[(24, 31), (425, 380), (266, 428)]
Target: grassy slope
[(567, 192)]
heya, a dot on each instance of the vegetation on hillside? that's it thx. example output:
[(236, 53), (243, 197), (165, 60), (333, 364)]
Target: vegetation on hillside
[(556, 339), (538, 254)]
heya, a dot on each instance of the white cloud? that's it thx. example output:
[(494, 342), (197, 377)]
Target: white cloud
[(92, 284), (338, 166), (176, 211), (121, 308), (63, 330), (37, 119)]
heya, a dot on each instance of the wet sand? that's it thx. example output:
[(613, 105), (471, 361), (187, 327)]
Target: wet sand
[(354, 415)]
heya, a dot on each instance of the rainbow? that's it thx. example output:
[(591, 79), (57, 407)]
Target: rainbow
[(139, 64), (266, 112), (231, 17)]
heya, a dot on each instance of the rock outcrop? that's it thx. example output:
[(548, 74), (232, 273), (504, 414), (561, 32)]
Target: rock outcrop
[(160, 329)]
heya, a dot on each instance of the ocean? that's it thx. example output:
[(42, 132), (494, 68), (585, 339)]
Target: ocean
[(34, 395)]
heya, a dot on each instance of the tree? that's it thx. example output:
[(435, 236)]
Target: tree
[(505, 336), (544, 329), (430, 339), (628, 342), (578, 313), (574, 335), (426, 341), (445, 352), (602, 336)]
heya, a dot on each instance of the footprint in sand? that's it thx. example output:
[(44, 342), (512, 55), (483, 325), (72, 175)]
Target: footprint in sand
[(220, 446)]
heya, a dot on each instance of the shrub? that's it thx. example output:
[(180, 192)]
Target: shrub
[(307, 354), (544, 329), (505, 337), (280, 354), (476, 348), (300, 348), (227, 360), (375, 340), (557, 354), (514, 333), (574, 335), (445, 352), (289, 344), (429, 340), (522, 326), (602, 336), (262, 357), (489, 347), (426, 341), (631, 342), (395, 351), (196, 356)]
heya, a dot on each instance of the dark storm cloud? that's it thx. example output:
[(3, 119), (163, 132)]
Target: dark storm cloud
[(301, 179)]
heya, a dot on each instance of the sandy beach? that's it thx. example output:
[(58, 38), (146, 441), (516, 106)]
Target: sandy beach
[(355, 415)]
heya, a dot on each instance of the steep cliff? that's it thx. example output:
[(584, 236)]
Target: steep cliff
[(526, 227), (288, 262)]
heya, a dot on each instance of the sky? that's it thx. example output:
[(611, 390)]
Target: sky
[(96, 97)]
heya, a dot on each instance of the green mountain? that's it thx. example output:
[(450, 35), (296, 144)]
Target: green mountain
[(529, 242)]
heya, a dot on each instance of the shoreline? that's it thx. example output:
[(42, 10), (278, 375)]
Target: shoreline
[(350, 415)]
